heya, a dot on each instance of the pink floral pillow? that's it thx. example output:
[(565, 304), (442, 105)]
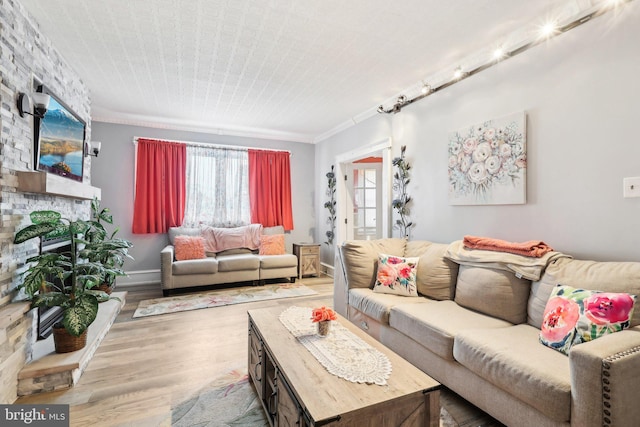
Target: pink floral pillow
[(574, 316), (396, 275), (189, 247)]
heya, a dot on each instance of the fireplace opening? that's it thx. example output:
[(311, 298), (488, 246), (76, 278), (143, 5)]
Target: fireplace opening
[(49, 316)]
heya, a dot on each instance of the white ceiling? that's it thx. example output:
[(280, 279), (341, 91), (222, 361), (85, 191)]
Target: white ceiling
[(287, 69)]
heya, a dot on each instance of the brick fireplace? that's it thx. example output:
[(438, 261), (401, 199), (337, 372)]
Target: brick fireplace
[(28, 57)]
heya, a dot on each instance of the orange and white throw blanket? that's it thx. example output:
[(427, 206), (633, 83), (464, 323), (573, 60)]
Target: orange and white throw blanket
[(522, 266), (532, 248)]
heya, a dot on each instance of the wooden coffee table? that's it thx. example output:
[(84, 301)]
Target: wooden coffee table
[(296, 390)]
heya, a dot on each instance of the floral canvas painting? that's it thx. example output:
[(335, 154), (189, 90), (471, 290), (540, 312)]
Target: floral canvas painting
[(488, 162)]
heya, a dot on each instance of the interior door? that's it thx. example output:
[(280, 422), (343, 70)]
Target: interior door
[(364, 199)]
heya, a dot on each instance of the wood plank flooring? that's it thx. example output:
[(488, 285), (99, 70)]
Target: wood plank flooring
[(145, 366)]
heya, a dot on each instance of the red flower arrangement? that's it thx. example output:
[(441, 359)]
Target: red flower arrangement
[(323, 313)]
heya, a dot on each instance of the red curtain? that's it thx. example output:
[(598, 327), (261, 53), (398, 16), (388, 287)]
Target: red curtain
[(270, 188), (160, 186)]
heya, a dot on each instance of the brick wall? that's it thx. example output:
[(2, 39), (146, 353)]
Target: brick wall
[(26, 55)]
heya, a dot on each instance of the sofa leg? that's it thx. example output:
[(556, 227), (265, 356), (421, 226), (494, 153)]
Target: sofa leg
[(166, 292), (293, 279), (262, 282)]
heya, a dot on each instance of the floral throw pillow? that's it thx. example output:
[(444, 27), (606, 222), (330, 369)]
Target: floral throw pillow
[(573, 316), (396, 275)]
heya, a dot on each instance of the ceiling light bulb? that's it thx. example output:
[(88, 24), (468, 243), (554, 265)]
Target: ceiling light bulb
[(548, 29), (457, 73), (498, 53), (425, 89), (380, 109), (402, 99)]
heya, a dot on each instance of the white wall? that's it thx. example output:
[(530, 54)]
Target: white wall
[(113, 172), (581, 94)]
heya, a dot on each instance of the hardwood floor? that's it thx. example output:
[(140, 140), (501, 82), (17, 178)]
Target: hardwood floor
[(147, 365)]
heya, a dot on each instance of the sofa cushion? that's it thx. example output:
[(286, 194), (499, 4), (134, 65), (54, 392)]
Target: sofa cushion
[(434, 324), (238, 262), (494, 292), (182, 231), (278, 261), (377, 306), (276, 229), (271, 244), (597, 276), (189, 247), (195, 266), (436, 276), (396, 275), (574, 316), (232, 252), (361, 258), (513, 360)]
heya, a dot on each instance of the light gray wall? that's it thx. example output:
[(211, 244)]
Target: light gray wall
[(113, 172), (581, 94)]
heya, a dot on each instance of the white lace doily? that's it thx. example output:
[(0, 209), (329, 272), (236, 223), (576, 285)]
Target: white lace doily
[(341, 352)]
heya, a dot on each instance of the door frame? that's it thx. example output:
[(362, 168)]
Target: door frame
[(382, 149)]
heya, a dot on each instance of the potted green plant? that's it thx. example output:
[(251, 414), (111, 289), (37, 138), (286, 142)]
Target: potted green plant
[(109, 251), (65, 279)]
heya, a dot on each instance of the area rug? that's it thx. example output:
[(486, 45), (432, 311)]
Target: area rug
[(231, 401), (218, 298)]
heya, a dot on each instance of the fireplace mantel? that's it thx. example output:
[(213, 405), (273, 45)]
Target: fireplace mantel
[(46, 183)]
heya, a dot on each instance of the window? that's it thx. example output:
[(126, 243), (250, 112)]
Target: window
[(217, 187)]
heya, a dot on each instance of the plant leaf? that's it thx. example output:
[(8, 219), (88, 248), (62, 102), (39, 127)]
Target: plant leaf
[(39, 217), (77, 319), (34, 230)]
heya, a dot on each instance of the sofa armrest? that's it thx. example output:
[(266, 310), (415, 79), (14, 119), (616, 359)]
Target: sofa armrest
[(340, 285), (605, 380), (166, 259)]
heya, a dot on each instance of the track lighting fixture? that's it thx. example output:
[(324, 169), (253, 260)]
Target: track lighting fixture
[(550, 29)]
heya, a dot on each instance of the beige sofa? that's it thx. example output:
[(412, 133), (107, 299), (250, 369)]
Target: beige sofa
[(229, 266), (475, 330)]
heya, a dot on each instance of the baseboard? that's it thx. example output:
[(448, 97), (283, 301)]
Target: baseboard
[(326, 269), (139, 277)]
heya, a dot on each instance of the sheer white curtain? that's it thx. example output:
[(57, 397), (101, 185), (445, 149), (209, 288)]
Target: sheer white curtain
[(217, 187)]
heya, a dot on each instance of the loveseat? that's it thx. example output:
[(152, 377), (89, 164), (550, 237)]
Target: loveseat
[(475, 328), (236, 264)]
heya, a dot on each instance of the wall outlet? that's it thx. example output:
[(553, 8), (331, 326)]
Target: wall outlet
[(631, 187)]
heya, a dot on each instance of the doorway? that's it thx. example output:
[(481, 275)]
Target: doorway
[(363, 193), (364, 189)]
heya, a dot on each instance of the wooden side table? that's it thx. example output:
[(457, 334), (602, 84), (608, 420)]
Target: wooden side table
[(308, 259)]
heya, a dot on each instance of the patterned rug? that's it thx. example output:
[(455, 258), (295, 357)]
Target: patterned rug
[(218, 298), (231, 401)]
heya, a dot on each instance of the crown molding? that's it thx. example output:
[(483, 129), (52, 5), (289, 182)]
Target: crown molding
[(99, 115)]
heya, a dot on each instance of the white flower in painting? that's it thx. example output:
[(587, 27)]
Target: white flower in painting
[(469, 145), (505, 150), (493, 164), (495, 143), (455, 148), (478, 173), (489, 134), (465, 163), (518, 148), (453, 161), (482, 152), (521, 161)]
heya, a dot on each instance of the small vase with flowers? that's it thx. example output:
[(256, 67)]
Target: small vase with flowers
[(322, 317)]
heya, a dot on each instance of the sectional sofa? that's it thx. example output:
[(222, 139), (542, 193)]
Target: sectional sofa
[(475, 328), (227, 266)]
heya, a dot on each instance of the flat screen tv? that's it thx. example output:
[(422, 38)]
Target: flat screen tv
[(59, 137)]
